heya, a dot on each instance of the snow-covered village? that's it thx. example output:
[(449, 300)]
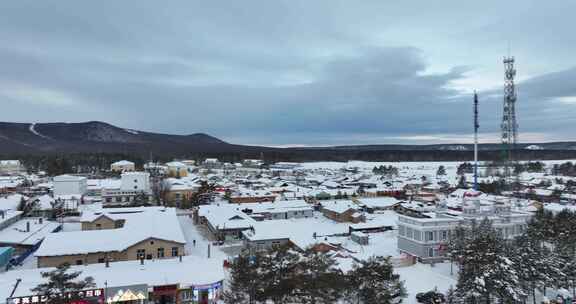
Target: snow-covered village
[(287, 152), (178, 232)]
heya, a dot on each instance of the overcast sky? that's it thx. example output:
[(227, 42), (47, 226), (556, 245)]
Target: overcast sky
[(293, 72)]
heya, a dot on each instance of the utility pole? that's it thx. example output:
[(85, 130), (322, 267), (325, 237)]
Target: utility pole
[(476, 127)]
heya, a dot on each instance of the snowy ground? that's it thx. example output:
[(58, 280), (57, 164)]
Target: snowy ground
[(421, 278), (197, 233)]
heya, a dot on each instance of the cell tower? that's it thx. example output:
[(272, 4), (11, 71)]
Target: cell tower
[(509, 124)]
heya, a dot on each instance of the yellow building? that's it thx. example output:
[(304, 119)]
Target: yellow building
[(120, 234), (178, 190), (176, 169)]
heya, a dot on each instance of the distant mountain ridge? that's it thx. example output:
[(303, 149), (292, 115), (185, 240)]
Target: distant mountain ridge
[(101, 137)]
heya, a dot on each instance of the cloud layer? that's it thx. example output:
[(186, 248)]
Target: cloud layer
[(289, 72)]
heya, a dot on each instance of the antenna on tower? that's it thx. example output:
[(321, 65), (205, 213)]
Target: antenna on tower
[(476, 127), (509, 127)]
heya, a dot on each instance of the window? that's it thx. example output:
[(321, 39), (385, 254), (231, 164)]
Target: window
[(429, 236), (101, 260), (444, 235), (98, 226), (430, 252), (160, 253), (135, 181), (417, 235), (79, 262), (135, 187), (401, 230), (140, 253), (174, 251), (118, 199)]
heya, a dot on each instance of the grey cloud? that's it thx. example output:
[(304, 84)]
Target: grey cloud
[(274, 72)]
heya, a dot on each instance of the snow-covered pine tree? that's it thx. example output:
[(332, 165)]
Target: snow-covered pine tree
[(452, 296), (320, 281), (60, 282), (486, 272), (278, 274), (374, 282), (244, 283), (537, 267)]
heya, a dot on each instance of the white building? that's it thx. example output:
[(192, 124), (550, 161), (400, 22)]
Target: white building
[(427, 237), (10, 166), (135, 181), (132, 186), (69, 185), (122, 166)]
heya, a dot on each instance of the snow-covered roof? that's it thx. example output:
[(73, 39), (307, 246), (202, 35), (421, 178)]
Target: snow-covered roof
[(276, 207), (123, 163), (300, 231), (68, 178), (192, 271), (11, 201), (226, 216), (378, 202), (340, 206), (176, 164), (158, 223), (16, 233), (377, 220)]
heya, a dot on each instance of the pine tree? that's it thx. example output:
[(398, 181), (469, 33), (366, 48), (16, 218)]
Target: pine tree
[(486, 272), (535, 265), (61, 282), (320, 281), (441, 171), (452, 296), (244, 282), (278, 273), (373, 282)]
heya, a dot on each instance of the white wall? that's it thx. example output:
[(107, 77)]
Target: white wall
[(135, 181), (67, 185)]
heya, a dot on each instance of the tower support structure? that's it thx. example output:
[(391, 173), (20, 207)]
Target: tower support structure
[(509, 127)]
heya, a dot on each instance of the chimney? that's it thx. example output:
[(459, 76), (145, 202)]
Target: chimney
[(27, 226), (141, 261), (180, 258), (41, 220), (107, 263)]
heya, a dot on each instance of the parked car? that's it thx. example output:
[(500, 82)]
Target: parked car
[(430, 297)]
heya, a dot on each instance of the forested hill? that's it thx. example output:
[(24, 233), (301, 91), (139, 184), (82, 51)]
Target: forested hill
[(18, 139)]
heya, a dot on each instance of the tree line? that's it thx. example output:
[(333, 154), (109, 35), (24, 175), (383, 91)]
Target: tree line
[(57, 164), (496, 269), (284, 275), (388, 171)]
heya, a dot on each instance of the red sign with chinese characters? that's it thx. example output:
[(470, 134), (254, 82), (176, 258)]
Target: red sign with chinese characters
[(91, 296), (165, 290)]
